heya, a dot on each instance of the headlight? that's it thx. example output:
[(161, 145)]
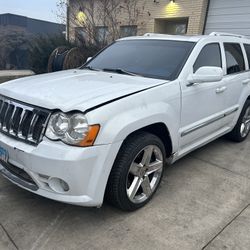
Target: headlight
[(71, 129)]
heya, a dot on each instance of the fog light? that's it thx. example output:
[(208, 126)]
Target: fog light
[(58, 185)]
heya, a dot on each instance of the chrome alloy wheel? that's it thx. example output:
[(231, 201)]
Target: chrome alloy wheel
[(144, 174), (245, 125)]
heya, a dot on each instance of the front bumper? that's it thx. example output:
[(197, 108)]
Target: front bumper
[(85, 170)]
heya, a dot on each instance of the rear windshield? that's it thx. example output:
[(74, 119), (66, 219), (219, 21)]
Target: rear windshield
[(148, 58)]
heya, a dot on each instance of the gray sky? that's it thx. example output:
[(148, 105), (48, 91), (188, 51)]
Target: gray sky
[(39, 9)]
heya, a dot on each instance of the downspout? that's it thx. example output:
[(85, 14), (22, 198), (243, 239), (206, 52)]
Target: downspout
[(205, 22)]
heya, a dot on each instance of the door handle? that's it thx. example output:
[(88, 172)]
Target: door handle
[(221, 89), (245, 82)]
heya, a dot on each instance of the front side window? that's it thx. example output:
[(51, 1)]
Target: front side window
[(247, 48), (149, 58), (210, 55), (234, 58)]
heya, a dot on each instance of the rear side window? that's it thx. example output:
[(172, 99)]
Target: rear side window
[(247, 48), (234, 58), (210, 55)]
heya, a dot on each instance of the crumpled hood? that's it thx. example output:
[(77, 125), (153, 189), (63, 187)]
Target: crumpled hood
[(75, 89)]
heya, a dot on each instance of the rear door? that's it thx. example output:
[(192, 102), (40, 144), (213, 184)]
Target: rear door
[(247, 49), (235, 79)]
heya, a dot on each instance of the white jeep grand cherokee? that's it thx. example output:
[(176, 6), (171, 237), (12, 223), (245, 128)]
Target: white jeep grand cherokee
[(108, 128)]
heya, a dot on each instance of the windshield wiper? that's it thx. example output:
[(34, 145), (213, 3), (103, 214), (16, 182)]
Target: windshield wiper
[(119, 71)]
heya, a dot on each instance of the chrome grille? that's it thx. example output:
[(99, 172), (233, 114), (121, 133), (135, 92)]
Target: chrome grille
[(22, 121)]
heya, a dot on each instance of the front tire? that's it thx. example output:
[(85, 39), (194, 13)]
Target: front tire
[(137, 172), (242, 128)]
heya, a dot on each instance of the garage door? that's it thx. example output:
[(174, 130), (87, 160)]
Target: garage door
[(232, 16)]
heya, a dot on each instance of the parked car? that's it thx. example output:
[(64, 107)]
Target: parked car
[(109, 128)]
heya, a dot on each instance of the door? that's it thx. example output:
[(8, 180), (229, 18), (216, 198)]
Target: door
[(247, 49), (202, 104), (235, 80)]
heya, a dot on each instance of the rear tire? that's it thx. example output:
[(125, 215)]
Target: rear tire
[(242, 128), (137, 172)]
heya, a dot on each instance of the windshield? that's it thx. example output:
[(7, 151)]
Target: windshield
[(161, 59)]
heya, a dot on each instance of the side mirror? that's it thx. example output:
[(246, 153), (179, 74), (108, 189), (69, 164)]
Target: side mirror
[(88, 59), (205, 74)]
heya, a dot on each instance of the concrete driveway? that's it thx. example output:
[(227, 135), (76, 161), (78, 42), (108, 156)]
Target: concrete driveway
[(203, 203)]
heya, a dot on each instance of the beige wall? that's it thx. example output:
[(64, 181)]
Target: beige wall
[(194, 10)]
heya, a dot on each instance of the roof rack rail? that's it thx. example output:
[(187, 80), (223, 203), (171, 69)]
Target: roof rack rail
[(155, 34), (226, 34), (148, 34)]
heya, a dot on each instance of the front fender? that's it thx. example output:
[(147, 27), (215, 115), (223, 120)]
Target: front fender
[(120, 118), (125, 123), (119, 126)]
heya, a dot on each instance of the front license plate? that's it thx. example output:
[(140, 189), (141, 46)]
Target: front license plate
[(4, 156)]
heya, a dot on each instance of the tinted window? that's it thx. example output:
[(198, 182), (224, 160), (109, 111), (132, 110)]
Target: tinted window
[(149, 58), (209, 56), (247, 48), (234, 58)]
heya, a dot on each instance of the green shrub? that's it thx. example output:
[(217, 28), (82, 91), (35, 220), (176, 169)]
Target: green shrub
[(41, 48), (14, 47)]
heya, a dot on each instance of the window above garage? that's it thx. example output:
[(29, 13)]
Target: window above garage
[(171, 26)]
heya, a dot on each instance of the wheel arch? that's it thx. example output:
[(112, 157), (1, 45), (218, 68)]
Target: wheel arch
[(160, 130)]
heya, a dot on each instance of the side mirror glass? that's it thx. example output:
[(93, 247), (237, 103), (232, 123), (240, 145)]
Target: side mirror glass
[(88, 59), (205, 74)]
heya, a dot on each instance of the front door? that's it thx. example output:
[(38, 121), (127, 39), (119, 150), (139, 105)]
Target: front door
[(203, 104)]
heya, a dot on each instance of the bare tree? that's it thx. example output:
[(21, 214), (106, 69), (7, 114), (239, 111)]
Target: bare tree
[(99, 21)]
